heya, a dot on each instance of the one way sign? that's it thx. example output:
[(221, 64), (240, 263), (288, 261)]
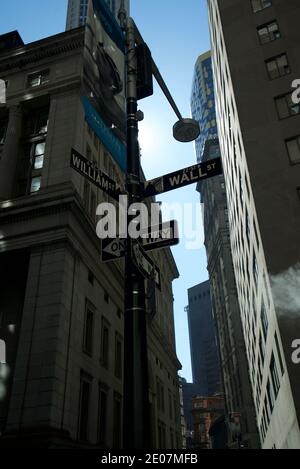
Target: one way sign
[(113, 249), (155, 237)]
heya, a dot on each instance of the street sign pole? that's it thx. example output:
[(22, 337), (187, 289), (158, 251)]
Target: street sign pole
[(136, 415)]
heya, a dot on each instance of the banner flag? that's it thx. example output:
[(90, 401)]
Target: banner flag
[(104, 86)]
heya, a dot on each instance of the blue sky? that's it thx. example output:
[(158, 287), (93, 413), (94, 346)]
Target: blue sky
[(176, 32)]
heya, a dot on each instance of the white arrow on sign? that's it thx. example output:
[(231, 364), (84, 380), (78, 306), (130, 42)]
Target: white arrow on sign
[(113, 249), (145, 264)]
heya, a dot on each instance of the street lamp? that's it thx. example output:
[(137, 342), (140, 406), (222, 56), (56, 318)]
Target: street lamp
[(186, 130), (136, 408)]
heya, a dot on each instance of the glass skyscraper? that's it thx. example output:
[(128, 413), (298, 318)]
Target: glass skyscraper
[(202, 102), (77, 11)]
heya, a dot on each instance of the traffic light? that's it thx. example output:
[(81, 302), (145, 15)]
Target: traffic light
[(144, 71)]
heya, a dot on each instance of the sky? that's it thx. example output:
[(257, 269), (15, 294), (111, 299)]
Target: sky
[(176, 32)]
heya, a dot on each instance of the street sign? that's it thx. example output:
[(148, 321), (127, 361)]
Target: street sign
[(113, 249), (145, 265), (183, 177), (161, 236), (90, 171), (156, 237)]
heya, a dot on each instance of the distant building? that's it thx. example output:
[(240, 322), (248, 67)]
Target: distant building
[(189, 390), (202, 102), (206, 411), (203, 342), (77, 11)]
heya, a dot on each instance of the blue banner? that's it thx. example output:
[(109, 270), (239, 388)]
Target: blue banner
[(114, 145), (104, 80), (109, 23)]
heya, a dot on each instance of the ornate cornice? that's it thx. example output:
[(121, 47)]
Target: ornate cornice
[(44, 49)]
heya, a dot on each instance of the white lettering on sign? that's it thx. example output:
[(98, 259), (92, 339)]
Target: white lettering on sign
[(190, 176)]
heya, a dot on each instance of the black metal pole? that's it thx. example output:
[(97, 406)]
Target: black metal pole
[(136, 419)]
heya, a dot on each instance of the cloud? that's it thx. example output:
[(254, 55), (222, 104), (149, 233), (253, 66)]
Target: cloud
[(286, 290)]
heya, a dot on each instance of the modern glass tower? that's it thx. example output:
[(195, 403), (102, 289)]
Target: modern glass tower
[(77, 11), (202, 102)]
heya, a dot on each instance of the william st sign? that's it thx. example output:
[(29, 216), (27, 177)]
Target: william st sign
[(93, 174)]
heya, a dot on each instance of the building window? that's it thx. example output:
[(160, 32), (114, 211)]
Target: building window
[(262, 349), (35, 184), (170, 404), (38, 157), (172, 438), (279, 354), (278, 66), (106, 297), (91, 277), (84, 406), (86, 194), (268, 32), (33, 151), (102, 414), (117, 421), (274, 376), (255, 269), (161, 435), (93, 205), (264, 321), (88, 153), (271, 398), (293, 148), (38, 79), (88, 328), (160, 395), (37, 122), (118, 356), (258, 5), (286, 107), (3, 128), (104, 343)]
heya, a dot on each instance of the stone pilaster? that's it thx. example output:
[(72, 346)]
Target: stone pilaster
[(10, 152)]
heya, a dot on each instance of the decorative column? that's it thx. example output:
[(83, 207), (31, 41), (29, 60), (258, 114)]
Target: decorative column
[(10, 152)]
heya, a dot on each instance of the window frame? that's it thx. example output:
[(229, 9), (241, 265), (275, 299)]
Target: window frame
[(118, 356), (275, 60), (39, 74), (3, 127), (85, 379), (89, 311), (267, 25), (262, 8), (285, 96), (275, 377), (104, 354), (103, 390), (296, 138)]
